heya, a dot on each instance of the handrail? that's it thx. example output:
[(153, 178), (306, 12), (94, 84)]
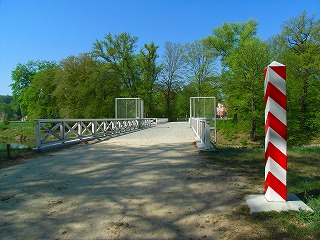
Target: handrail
[(57, 132), (201, 127)]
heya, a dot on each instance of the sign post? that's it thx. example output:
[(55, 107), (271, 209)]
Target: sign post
[(275, 197), (275, 103)]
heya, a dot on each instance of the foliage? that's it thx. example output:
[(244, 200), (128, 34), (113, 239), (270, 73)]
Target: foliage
[(6, 99), (85, 86), (6, 111), (118, 50), (149, 72), (298, 47), (199, 65), (171, 76), (244, 56), (38, 97), (22, 77), (6, 122)]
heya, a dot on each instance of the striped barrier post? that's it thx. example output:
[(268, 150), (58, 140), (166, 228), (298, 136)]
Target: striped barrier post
[(275, 104)]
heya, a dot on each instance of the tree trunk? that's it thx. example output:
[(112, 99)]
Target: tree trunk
[(253, 121)]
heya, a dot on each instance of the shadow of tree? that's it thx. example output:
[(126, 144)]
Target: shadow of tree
[(115, 192)]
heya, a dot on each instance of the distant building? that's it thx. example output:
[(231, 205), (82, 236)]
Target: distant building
[(221, 111)]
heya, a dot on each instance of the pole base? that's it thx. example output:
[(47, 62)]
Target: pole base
[(258, 203)]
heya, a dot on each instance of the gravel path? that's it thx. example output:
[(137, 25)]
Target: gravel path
[(149, 184)]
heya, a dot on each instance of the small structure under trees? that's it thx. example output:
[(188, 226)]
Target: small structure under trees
[(129, 108)]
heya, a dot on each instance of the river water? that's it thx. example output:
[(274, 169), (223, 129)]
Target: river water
[(16, 145)]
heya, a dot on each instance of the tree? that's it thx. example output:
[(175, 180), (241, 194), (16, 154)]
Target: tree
[(118, 50), (6, 99), (22, 77), (171, 75), (226, 39), (149, 74), (39, 97), (243, 57), (86, 87), (244, 82), (298, 47), (199, 64), (6, 111)]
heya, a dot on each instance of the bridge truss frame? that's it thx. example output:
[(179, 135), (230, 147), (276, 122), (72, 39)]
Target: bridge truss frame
[(51, 133)]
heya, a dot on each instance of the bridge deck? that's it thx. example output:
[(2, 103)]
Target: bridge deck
[(149, 184)]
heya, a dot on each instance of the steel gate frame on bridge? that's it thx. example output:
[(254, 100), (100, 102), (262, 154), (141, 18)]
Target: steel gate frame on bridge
[(201, 122)]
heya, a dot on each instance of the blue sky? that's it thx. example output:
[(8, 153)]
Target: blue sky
[(56, 29)]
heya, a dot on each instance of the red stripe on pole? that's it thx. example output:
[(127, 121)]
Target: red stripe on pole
[(276, 95), (276, 185), (280, 70), (276, 155), (273, 122)]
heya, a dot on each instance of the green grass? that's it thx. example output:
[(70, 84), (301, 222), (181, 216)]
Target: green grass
[(303, 180), (15, 132), (14, 129)]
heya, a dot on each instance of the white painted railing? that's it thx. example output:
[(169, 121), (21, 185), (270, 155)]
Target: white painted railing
[(55, 132), (161, 120), (201, 127)]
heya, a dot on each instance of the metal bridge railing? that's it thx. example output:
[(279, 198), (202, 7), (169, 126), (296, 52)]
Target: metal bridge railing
[(201, 127), (55, 132)]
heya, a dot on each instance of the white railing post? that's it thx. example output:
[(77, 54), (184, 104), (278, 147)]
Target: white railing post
[(62, 130), (207, 134), (37, 129), (95, 128), (80, 130)]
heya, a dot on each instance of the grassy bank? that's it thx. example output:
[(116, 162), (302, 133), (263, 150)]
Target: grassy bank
[(239, 155), (17, 131), (303, 180)]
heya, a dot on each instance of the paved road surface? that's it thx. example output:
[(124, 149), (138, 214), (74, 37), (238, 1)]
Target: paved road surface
[(144, 185)]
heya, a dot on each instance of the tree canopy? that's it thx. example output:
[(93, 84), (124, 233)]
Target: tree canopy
[(228, 64)]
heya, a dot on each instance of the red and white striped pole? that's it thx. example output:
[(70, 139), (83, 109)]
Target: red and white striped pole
[(275, 188)]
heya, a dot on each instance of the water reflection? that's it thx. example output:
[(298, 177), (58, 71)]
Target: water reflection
[(16, 145)]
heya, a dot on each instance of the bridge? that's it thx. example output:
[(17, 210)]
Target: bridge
[(149, 184), (53, 133)]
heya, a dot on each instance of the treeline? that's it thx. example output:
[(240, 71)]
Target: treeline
[(86, 86)]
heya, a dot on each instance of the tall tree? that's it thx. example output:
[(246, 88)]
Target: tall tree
[(6, 111), (86, 88), (227, 38), (38, 96), (199, 65), (22, 77), (243, 83), (171, 75), (149, 74), (298, 46), (118, 50), (243, 57), (6, 99)]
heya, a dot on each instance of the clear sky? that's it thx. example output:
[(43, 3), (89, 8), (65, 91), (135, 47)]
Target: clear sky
[(56, 29)]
